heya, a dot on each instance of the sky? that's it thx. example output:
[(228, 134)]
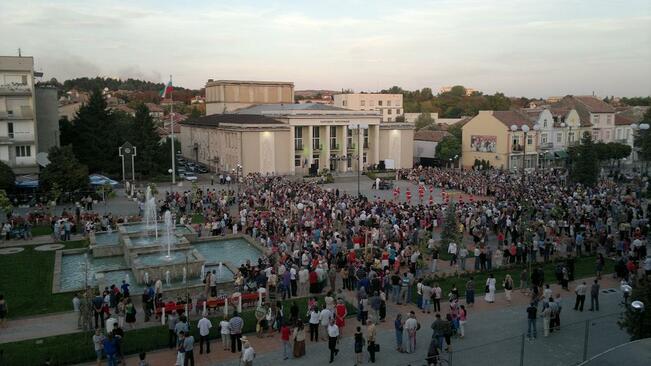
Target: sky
[(518, 47)]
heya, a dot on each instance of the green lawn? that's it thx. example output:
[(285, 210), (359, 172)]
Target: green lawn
[(78, 347), (42, 230), (584, 267), (26, 282)]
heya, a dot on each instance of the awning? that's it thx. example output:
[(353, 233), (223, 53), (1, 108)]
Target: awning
[(561, 154), (548, 156)]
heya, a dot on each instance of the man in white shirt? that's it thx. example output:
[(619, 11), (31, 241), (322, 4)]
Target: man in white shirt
[(324, 319), (333, 337), (248, 354), (452, 249), (225, 330), (204, 326), (411, 327)]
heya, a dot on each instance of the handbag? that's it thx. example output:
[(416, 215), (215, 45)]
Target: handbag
[(486, 289)]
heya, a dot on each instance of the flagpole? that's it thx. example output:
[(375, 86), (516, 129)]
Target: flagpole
[(172, 133)]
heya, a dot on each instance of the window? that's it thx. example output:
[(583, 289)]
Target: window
[(333, 138), (349, 138), (545, 123), (10, 130), (315, 159), (389, 119), (398, 111), (595, 119), (362, 103), (388, 103), (315, 139), (529, 139), (297, 160), (606, 135), (365, 138), (22, 151), (344, 102), (349, 161), (298, 138), (610, 119), (23, 79), (389, 111), (559, 137), (543, 138), (364, 158), (379, 102), (570, 137), (595, 135), (618, 134)]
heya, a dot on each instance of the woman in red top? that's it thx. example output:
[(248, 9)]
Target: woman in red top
[(340, 312), (314, 282)]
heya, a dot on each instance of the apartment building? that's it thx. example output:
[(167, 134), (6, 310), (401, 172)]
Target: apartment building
[(389, 105)]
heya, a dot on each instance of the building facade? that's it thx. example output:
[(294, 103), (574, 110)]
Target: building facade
[(294, 139), (389, 105), (226, 96), (18, 129)]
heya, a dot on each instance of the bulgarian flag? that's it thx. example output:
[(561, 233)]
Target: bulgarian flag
[(167, 90)]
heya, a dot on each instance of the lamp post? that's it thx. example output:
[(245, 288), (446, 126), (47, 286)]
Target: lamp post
[(637, 128)]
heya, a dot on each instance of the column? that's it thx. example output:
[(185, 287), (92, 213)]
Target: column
[(326, 148), (292, 151), (344, 147), (307, 144), (376, 144)]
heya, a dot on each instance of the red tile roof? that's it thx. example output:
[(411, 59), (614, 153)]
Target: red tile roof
[(621, 120), (595, 105), (429, 135), (509, 118)]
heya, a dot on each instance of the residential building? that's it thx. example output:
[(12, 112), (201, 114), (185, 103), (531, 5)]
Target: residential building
[(225, 96), (488, 136), (155, 111), (69, 110), (592, 111), (296, 138), (389, 105), (425, 142), (18, 130)]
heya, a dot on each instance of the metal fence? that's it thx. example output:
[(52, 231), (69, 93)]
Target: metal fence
[(572, 344)]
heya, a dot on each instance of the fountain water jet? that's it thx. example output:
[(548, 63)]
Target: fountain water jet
[(167, 278), (150, 213), (220, 271), (146, 277), (185, 274), (169, 228)]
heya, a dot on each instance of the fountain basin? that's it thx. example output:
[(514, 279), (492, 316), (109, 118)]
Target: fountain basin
[(156, 265)]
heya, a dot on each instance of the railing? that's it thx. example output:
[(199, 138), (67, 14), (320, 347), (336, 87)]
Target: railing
[(516, 148), (24, 113), (15, 89), (546, 145)]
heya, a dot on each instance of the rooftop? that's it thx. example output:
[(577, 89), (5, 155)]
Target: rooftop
[(214, 120), (251, 82), (429, 135)]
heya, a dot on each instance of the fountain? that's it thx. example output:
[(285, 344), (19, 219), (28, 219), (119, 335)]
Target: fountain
[(167, 278), (146, 277), (220, 271), (169, 228), (185, 274), (151, 216)]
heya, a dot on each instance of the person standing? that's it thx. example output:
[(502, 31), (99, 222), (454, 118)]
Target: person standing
[(490, 289), (248, 355), (285, 333), (109, 344), (225, 331), (594, 296), (204, 326), (463, 316), (236, 324), (324, 319), (470, 292), (437, 292), (438, 330), (188, 348), (580, 296), (371, 334), (313, 316), (532, 313), (98, 343), (333, 338), (299, 340), (546, 315), (359, 346), (411, 327), (508, 287), (399, 327)]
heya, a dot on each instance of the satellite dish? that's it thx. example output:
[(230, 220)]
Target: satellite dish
[(42, 160)]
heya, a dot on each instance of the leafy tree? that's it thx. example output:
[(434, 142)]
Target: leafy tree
[(450, 230), (7, 177), (638, 323), (584, 166), (643, 138), (5, 203), (423, 120), (498, 102), (195, 113), (458, 91), (149, 159), (448, 148), (96, 136), (64, 171)]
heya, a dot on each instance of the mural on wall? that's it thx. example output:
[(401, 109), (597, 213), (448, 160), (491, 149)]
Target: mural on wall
[(480, 143)]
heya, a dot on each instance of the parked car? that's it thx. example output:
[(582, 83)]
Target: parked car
[(190, 177), (384, 184), (202, 169)]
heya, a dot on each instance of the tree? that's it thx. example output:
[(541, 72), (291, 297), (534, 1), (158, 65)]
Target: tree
[(195, 113), (498, 102), (5, 203), (458, 91), (7, 177), (423, 120), (96, 136), (643, 138), (637, 323), (145, 138), (64, 171), (448, 148), (584, 166), (450, 230)]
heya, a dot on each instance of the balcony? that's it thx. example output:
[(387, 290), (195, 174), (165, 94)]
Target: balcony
[(15, 89), (334, 147), (23, 113), (516, 148), (546, 146)]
